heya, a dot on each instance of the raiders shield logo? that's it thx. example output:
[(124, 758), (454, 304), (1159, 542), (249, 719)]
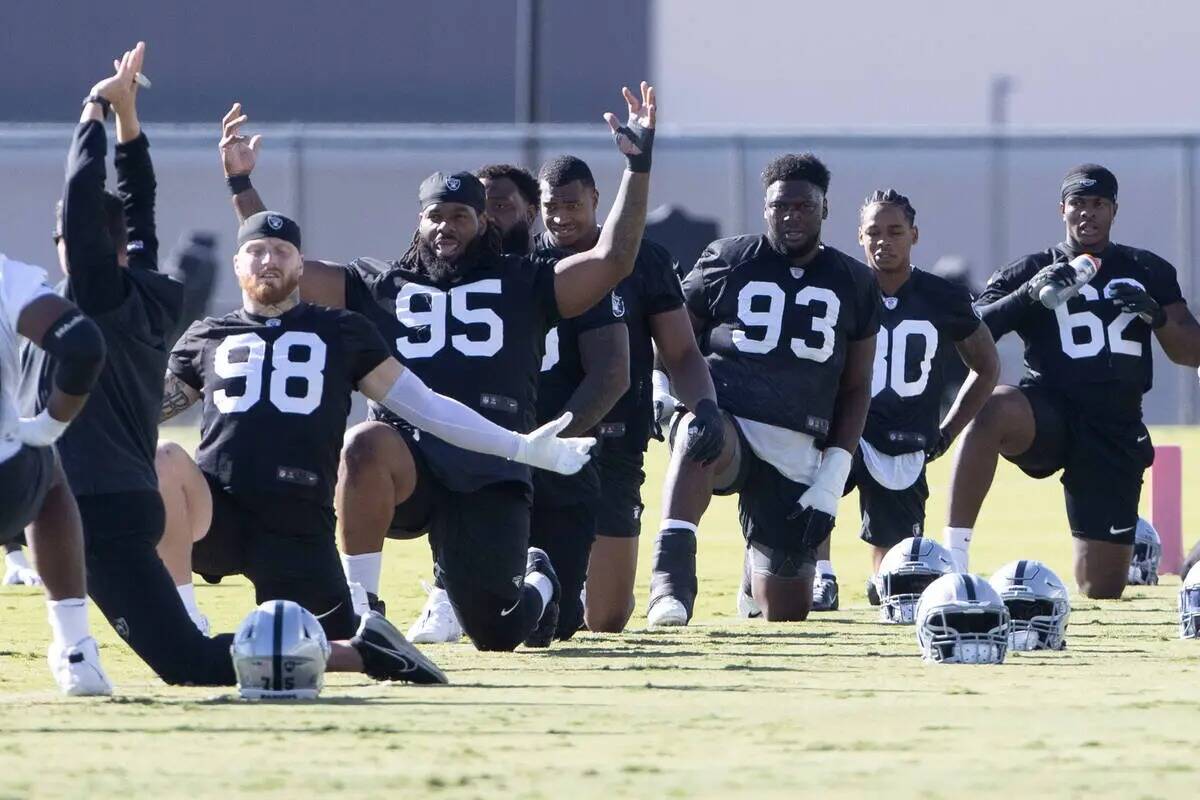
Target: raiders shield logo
[(890, 303), (618, 305), (274, 222), (453, 184), (797, 272), (122, 627)]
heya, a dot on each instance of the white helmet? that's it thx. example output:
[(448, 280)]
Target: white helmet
[(1147, 552), (961, 619), (1037, 605), (907, 569), (1189, 604), (279, 651)]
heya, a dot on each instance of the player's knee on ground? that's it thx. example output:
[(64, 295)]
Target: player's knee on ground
[(171, 462), (612, 618), (781, 583), (1101, 568)]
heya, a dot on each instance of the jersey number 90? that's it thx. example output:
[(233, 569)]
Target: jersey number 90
[(308, 373), (770, 319)]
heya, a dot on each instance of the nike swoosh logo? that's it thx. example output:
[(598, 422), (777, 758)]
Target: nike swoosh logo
[(1116, 531), (505, 612), (1143, 438), (409, 665)]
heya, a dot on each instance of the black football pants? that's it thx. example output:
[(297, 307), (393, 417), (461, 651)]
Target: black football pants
[(131, 586)]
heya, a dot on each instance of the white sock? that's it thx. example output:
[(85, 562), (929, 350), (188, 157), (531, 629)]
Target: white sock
[(825, 567), (68, 620), (187, 593), (15, 559), (364, 569), (958, 541), (543, 585), (677, 524)]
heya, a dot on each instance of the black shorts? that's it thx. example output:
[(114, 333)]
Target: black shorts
[(1102, 458), (888, 515), (25, 478), (286, 548), (482, 535), (621, 478), (766, 500)]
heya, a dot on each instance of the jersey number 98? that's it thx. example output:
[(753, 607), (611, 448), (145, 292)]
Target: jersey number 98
[(310, 372)]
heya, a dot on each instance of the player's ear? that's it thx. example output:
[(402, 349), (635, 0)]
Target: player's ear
[(595, 197), (1114, 209), (531, 214), (1062, 210), (916, 234), (824, 208)]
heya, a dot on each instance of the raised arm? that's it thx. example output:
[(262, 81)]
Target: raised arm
[(584, 278), (135, 173), (323, 282)]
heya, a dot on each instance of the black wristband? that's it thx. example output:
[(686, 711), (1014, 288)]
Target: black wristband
[(103, 102), (238, 183), (643, 139)]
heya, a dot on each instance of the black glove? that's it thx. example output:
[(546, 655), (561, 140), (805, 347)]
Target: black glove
[(814, 526), (936, 448), (1133, 299), (636, 142), (1060, 274), (705, 433)]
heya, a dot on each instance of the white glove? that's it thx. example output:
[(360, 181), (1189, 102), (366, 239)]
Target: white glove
[(21, 576), (543, 449), (40, 431), (664, 402), (829, 483)]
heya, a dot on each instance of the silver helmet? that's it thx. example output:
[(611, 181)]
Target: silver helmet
[(279, 652), (1037, 602), (961, 619), (1189, 604), (1147, 552), (905, 571)]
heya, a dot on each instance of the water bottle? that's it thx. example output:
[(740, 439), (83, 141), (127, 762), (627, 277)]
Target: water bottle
[(1085, 267)]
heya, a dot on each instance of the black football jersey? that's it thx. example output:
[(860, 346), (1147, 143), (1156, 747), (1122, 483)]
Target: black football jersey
[(276, 395), (1088, 342), (652, 288), (775, 336), (918, 328), (478, 339)]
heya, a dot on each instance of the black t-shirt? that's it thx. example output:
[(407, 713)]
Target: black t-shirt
[(1087, 347), (775, 336), (478, 339), (919, 326), (276, 395)]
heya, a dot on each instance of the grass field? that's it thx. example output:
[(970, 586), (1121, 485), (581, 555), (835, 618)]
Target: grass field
[(837, 706)]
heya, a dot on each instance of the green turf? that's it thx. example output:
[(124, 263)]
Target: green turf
[(838, 706)]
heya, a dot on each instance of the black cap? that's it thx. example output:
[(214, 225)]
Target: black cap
[(461, 187), (1090, 179), (270, 224)]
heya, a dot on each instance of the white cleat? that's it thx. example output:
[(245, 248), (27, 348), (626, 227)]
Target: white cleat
[(747, 608), (667, 612), (21, 576), (77, 669), (438, 624)]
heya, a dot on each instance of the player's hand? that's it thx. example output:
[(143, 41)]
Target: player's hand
[(705, 433), (635, 139), (238, 153), (40, 431), (1133, 299), (543, 449), (815, 514), (121, 88), (664, 402), (938, 446), (1060, 275)]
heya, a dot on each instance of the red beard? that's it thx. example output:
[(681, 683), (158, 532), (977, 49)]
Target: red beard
[(267, 294)]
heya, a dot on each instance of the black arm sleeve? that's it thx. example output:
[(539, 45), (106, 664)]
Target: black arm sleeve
[(1001, 305), (97, 284), (136, 187), (76, 345)]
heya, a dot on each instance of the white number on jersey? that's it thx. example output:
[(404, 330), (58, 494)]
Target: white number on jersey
[(435, 320), (311, 371), (1083, 334), (891, 357), (551, 356), (770, 320)]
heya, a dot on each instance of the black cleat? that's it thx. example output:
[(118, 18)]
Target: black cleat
[(872, 592), (376, 605), (388, 656), (543, 633)]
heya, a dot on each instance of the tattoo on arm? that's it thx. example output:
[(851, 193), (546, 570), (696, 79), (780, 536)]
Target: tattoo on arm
[(177, 397)]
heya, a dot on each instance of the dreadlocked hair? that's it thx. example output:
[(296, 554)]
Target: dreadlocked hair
[(890, 197), (489, 245)]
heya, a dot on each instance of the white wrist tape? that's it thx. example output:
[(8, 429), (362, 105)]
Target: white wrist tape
[(660, 382), (835, 468)]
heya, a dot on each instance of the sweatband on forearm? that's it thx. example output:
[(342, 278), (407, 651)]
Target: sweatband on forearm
[(446, 418), (77, 347), (1003, 315)]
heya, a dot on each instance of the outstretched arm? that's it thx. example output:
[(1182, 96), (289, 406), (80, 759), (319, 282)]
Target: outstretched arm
[(323, 282), (584, 278), (135, 173)]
